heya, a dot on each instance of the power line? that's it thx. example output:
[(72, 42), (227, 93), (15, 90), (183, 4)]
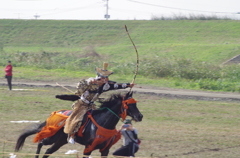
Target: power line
[(125, 11), (161, 6), (67, 10)]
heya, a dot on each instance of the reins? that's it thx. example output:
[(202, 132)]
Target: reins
[(110, 111), (124, 108)]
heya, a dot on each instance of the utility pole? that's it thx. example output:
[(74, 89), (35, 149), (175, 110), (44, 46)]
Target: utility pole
[(106, 15), (36, 16), (18, 15)]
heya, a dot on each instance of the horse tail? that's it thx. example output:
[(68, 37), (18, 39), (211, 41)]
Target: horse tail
[(32, 129)]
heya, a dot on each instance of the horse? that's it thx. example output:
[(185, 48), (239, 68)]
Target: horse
[(98, 129)]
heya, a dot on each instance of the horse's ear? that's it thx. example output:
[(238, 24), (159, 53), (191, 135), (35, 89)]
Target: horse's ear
[(128, 95)]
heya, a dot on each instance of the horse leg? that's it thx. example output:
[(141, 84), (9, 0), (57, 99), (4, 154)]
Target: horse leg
[(86, 153), (46, 141), (59, 139), (55, 147), (104, 153), (38, 149)]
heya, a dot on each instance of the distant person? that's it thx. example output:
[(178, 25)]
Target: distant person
[(8, 75), (130, 140)]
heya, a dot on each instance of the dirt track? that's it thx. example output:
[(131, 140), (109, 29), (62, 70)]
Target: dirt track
[(162, 92)]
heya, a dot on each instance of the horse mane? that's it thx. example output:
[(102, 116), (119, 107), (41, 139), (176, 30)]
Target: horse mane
[(110, 101)]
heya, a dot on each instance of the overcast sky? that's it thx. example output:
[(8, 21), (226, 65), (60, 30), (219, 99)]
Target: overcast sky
[(117, 9)]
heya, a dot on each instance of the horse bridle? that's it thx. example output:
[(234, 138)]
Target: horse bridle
[(124, 107)]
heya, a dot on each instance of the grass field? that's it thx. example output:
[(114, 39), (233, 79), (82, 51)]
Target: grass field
[(172, 128)]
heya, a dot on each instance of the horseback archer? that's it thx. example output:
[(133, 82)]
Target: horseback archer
[(88, 91)]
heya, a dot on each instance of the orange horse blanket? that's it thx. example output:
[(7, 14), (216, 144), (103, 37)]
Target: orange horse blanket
[(54, 123)]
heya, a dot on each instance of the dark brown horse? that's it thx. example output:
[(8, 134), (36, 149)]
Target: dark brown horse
[(106, 117)]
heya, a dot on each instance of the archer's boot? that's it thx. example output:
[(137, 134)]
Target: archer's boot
[(71, 139)]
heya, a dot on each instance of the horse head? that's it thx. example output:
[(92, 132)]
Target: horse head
[(129, 104)]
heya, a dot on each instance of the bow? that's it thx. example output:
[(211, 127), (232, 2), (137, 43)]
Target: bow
[(136, 54)]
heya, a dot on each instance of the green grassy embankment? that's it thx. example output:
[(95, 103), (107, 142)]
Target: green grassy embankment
[(173, 53)]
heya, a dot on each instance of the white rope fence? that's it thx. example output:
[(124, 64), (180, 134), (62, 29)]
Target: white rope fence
[(7, 153)]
